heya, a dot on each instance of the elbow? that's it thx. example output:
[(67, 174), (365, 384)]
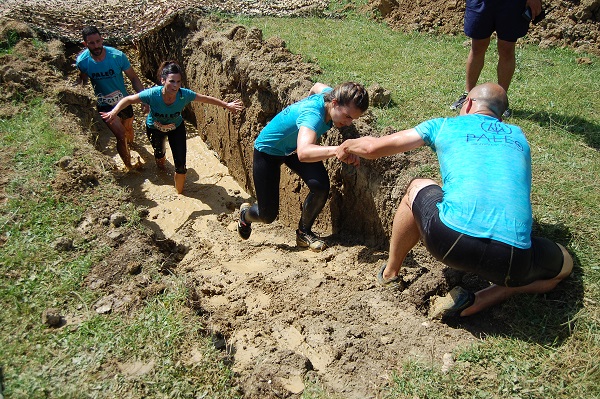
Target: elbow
[(302, 156)]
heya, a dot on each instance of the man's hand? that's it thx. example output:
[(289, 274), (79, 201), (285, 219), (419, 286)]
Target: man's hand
[(535, 6), (235, 106), (352, 159)]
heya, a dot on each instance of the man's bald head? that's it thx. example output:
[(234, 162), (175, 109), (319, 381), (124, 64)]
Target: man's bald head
[(490, 96)]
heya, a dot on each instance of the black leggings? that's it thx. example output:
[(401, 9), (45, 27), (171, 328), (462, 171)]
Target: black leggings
[(177, 142), (267, 173)]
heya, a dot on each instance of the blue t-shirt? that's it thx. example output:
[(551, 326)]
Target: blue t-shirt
[(107, 75), (162, 113), (486, 177), (280, 136)]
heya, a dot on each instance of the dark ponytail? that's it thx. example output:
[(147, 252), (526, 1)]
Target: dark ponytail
[(349, 93), (167, 68)]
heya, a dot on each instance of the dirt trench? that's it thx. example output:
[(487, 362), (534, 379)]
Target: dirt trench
[(285, 316)]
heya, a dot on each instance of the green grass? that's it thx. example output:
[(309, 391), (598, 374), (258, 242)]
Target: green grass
[(8, 41), (553, 341), (82, 361), (550, 348)]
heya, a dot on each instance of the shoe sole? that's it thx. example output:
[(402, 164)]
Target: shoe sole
[(243, 236), (315, 246), (452, 304)]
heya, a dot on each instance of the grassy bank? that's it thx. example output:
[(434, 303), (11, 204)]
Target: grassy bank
[(554, 340), (119, 355)]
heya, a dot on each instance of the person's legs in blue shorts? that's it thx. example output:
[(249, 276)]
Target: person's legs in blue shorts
[(482, 18)]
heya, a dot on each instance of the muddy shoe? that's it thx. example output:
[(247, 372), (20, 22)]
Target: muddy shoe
[(244, 228), (455, 301), (457, 105), (310, 240), (394, 282)]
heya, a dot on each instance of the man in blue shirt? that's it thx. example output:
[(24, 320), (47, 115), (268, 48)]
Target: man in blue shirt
[(104, 66), (479, 220)]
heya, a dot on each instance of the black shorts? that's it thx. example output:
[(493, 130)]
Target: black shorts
[(483, 17), (492, 260), (125, 113)]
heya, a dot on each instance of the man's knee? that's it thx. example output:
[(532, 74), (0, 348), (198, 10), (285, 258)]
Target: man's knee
[(506, 50), (567, 267), (267, 216), (318, 187), (479, 47), (414, 187)]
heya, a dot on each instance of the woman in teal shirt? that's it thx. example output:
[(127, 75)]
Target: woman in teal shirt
[(291, 138), (164, 120)]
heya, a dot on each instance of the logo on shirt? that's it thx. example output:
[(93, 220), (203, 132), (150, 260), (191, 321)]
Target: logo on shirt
[(166, 116), (494, 133), (103, 75)]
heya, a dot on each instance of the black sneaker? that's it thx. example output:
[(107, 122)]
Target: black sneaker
[(456, 105), (507, 114), (244, 228), (310, 240)]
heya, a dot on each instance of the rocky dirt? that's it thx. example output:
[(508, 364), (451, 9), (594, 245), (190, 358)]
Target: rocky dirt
[(570, 23), (285, 315)]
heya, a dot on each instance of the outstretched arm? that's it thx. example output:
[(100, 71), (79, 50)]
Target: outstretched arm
[(121, 105), (376, 147), (233, 106)]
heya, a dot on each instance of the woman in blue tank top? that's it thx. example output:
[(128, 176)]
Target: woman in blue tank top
[(164, 120)]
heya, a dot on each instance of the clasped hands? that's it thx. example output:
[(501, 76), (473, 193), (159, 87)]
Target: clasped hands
[(346, 157)]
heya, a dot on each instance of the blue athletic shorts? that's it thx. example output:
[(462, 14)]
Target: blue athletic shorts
[(483, 17), (492, 260)]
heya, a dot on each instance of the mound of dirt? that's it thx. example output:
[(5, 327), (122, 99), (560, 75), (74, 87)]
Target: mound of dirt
[(571, 23)]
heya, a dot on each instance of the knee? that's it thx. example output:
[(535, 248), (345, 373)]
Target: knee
[(567, 267), (268, 216), (479, 47), (319, 188), (506, 50)]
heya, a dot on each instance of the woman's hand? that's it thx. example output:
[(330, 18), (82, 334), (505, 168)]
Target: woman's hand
[(108, 117), (346, 157), (235, 106)]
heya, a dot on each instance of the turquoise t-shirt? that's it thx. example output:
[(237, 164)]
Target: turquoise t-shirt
[(486, 177), (162, 113), (280, 136), (107, 75)]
